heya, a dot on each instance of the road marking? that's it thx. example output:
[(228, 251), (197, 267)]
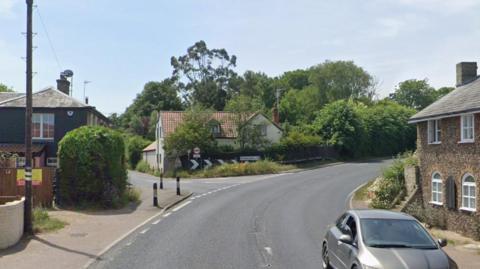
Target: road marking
[(156, 222), (181, 206), (128, 244), (166, 215), (144, 231), (269, 250)]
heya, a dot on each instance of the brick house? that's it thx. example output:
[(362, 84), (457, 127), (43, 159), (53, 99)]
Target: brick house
[(448, 148)]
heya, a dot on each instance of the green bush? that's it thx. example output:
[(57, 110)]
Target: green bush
[(42, 222), (135, 145), (92, 167), (393, 182), (243, 169), (143, 167)]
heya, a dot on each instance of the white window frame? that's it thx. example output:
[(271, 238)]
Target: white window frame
[(470, 197), (434, 132), (42, 118), (437, 193), (463, 130)]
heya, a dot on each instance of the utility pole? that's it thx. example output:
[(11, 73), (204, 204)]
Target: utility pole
[(28, 125)]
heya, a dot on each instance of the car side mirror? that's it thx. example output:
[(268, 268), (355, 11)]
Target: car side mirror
[(442, 242), (345, 238)]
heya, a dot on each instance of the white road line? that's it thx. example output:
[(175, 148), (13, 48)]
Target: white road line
[(181, 206), (269, 250), (144, 231), (156, 222), (128, 244)]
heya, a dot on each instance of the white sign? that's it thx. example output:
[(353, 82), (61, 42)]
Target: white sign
[(220, 161), (196, 156), (234, 161), (196, 150), (249, 158), (208, 162), (195, 164)]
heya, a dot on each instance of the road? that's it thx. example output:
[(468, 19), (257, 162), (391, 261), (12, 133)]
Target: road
[(249, 222)]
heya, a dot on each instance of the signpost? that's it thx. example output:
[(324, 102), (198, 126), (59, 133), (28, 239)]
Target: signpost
[(196, 153), (208, 162), (195, 165)]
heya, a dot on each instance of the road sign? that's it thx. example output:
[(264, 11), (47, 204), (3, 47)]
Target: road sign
[(208, 162), (234, 161), (220, 161), (196, 156), (196, 150), (249, 158), (195, 164)]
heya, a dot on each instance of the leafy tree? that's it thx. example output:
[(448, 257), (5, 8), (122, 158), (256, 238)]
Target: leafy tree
[(439, 93), (5, 88), (341, 80), (115, 120), (204, 75), (388, 130), (299, 106), (155, 96), (134, 149), (258, 85), (193, 132), (297, 79), (339, 124), (414, 93)]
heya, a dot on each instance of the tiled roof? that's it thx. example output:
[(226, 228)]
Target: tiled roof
[(9, 95), (20, 148), (151, 147), (463, 99), (49, 98), (172, 119)]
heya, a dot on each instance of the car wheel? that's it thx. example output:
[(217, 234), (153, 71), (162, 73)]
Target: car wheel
[(325, 259)]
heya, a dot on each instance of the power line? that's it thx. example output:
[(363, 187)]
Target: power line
[(48, 38)]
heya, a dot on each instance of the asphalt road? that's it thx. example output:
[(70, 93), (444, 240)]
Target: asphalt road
[(250, 222)]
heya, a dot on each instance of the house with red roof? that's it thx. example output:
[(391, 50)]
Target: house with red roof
[(223, 128)]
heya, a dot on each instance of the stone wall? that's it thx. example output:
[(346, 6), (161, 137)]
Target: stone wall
[(451, 159), (412, 176), (11, 223)]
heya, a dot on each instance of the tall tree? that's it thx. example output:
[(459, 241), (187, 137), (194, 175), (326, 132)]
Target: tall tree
[(204, 75), (414, 93), (5, 88)]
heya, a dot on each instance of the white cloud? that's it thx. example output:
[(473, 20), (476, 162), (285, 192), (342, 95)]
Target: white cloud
[(6, 8)]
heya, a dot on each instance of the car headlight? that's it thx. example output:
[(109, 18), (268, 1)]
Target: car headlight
[(369, 267)]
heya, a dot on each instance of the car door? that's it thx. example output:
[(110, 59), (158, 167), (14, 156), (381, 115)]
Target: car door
[(348, 252), (334, 234)]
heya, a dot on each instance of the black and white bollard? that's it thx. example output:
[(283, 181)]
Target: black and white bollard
[(178, 185), (155, 195)]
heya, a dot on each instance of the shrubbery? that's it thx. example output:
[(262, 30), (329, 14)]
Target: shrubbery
[(392, 182), (134, 149), (242, 169), (92, 167), (143, 167)]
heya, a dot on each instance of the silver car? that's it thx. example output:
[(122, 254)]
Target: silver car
[(380, 239)]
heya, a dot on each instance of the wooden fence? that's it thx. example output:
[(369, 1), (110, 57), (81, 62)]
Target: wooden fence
[(42, 193)]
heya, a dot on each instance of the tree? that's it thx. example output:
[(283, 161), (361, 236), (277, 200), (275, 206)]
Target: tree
[(297, 79), (134, 149), (341, 80), (193, 132), (414, 93), (339, 124), (155, 96), (204, 75), (439, 93), (5, 88)]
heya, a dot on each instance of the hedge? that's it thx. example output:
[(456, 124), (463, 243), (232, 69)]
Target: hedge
[(92, 167)]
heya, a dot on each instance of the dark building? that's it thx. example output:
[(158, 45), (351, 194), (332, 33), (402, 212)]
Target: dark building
[(448, 147), (54, 114)]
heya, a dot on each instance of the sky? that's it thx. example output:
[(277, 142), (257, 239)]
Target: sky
[(120, 45)]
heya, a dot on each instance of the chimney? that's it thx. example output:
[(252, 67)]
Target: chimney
[(63, 85), (276, 116), (86, 100), (466, 73)]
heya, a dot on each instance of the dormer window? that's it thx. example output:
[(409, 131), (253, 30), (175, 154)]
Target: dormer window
[(434, 132), (467, 127), (215, 129)]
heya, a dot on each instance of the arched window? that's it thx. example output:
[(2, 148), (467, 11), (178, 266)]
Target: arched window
[(437, 188), (469, 201)]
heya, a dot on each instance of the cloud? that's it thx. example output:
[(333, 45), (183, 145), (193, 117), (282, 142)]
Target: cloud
[(6, 8), (444, 6)]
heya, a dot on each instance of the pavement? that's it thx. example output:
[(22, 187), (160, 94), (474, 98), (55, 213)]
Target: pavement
[(273, 221), (88, 233)]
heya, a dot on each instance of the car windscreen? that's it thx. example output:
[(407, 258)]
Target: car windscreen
[(391, 233)]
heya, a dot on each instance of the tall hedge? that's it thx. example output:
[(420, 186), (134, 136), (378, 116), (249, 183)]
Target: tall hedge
[(135, 145), (92, 167)]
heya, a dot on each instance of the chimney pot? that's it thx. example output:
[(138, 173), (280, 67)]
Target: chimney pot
[(63, 85), (466, 73)]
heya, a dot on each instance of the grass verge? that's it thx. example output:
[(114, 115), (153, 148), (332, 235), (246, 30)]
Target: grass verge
[(42, 222), (362, 193)]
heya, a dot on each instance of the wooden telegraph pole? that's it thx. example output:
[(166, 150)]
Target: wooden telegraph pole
[(28, 125)]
